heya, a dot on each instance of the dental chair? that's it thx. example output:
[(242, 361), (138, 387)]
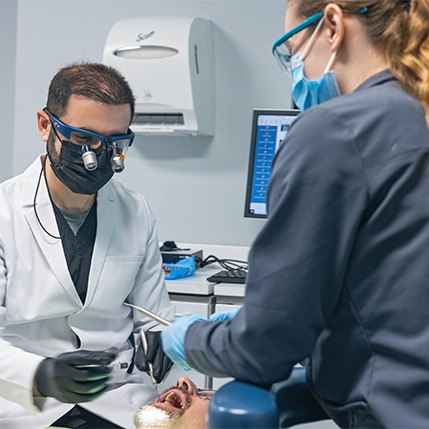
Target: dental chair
[(241, 405)]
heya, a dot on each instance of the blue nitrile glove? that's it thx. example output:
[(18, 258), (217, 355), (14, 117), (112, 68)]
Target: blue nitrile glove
[(224, 315), (183, 268), (173, 339)]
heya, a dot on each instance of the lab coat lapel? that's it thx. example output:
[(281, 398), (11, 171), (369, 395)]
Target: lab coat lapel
[(51, 247), (107, 212)]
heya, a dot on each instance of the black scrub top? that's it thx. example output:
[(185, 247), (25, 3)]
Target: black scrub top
[(78, 248), (340, 271)]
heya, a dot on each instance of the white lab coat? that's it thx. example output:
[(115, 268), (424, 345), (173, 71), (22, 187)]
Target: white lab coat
[(41, 314)]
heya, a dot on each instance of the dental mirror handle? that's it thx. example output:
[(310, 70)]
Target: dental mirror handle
[(148, 313), (149, 364)]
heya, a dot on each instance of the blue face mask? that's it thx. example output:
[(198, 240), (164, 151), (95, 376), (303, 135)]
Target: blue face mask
[(307, 93)]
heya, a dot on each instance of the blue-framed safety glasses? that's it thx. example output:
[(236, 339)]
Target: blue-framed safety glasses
[(281, 51), (83, 137)]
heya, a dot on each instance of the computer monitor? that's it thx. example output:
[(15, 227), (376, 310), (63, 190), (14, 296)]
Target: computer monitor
[(269, 129)]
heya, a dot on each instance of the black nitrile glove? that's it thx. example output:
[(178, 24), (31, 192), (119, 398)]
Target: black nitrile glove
[(74, 377), (161, 363)]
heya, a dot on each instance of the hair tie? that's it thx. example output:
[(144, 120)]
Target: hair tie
[(406, 4)]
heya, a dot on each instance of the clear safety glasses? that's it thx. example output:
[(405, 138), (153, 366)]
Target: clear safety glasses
[(282, 52), (88, 138)]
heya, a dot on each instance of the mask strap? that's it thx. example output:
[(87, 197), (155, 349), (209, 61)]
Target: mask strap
[(330, 62), (312, 39)]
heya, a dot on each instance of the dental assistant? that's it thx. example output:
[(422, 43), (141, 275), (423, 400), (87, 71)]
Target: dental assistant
[(74, 246), (339, 273)]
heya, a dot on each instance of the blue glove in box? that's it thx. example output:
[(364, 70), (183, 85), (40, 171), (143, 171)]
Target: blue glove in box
[(186, 267)]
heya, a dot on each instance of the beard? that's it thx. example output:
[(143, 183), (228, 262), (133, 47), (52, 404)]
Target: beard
[(153, 417), (53, 154)]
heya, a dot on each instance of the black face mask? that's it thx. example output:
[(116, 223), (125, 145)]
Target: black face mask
[(71, 170)]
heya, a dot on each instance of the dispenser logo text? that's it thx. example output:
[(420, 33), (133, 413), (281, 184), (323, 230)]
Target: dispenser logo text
[(147, 95), (143, 36)]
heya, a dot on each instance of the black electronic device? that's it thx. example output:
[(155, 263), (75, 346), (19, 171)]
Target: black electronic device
[(229, 276), (174, 256), (269, 129)]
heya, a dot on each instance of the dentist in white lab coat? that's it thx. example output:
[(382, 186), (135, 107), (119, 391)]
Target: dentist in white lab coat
[(74, 246)]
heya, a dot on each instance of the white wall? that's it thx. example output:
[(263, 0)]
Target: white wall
[(196, 186), (8, 19)]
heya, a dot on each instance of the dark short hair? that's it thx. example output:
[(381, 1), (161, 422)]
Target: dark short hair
[(95, 81)]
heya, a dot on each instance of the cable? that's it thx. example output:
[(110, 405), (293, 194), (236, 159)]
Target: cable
[(227, 264), (42, 170)]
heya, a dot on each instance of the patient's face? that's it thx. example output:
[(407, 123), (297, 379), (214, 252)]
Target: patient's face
[(181, 406)]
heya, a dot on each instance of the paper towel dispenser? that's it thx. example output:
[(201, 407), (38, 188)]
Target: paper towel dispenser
[(169, 63)]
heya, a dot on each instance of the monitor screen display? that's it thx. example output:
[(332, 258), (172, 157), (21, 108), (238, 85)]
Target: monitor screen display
[(269, 129)]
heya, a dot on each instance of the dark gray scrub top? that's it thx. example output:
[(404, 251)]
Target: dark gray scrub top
[(78, 246), (340, 271)]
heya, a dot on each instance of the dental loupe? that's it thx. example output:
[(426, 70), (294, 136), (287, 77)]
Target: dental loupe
[(117, 161), (89, 158), (90, 162)]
